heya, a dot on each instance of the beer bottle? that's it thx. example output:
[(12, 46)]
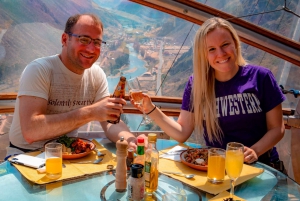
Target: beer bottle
[(119, 93)]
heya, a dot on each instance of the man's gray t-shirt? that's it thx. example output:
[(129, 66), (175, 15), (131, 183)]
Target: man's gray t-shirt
[(64, 90)]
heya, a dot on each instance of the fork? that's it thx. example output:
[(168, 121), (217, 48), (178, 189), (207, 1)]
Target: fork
[(177, 152), (88, 162), (99, 153)]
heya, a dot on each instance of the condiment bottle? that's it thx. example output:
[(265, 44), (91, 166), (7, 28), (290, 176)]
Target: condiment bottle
[(130, 157), (119, 93), (150, 197), (121, 169), (136, 183), (140, 158), (151, 165)]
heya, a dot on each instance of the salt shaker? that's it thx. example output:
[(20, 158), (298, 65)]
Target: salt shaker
[(136, 183), (121, 169)]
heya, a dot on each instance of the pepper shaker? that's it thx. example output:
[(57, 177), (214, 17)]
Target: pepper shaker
[(121, 169)]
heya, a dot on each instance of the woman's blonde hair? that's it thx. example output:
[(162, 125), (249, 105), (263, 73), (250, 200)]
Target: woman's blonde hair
[(203, 90)]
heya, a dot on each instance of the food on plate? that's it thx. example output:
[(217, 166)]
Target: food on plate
[(73, 145), (196, 156)]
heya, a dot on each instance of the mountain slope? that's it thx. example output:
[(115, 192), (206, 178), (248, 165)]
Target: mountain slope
[(33, 28)]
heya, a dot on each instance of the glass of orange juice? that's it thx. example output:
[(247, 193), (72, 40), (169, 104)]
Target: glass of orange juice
[(53, 156), (216, 165), (234, 162)]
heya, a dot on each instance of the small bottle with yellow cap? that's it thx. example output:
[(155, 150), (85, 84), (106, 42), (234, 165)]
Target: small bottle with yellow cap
[(151, 165)]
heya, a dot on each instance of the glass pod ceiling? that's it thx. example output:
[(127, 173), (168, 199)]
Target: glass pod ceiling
[(144, 42), (279, 16)]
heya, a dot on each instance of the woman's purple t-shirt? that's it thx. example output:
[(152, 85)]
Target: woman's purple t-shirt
[(242, 104)]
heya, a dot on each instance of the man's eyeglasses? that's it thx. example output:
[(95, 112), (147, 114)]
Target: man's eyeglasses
[(86, 40)]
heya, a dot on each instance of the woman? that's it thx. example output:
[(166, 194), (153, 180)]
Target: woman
[(226, 99)]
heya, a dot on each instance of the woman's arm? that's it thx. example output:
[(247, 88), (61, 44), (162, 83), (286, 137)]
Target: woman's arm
[(179, 131), (275, 126)]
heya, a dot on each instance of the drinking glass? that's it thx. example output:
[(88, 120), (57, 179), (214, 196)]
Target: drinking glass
[(136, 91), (53, 156), (234, 162), (173, 197), (216, 165)]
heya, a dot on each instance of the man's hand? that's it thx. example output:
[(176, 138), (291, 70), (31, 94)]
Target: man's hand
[(108, 109), (132, 142)]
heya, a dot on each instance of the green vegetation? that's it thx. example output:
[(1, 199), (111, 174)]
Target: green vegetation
[(151, 61), (120, 62), (183, 64), (67, 141), (136, 46)]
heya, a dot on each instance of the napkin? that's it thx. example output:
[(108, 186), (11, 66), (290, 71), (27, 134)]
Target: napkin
[(222, 196), (174, 153), (200, 179), (72, 170)]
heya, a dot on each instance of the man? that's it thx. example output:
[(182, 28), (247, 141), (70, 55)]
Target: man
[(60, 93)]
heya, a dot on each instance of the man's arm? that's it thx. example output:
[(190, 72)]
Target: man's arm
[(36, 125), (115, 131)]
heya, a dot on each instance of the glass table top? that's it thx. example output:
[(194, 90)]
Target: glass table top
[(270, 185)]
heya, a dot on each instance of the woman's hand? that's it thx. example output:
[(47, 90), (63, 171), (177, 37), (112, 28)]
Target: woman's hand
[(250, 155), (147, 104)]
